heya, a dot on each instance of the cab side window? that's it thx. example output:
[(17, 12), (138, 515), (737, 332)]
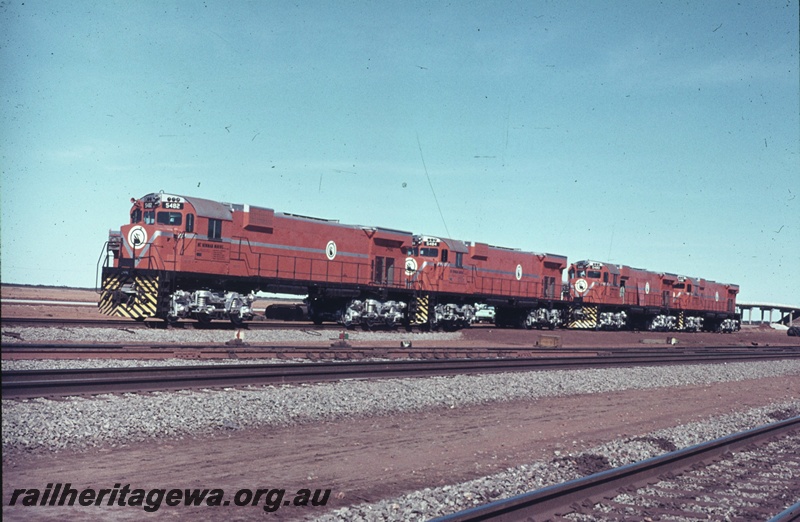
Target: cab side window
[(190, 222), (214, 228), (136, 215)]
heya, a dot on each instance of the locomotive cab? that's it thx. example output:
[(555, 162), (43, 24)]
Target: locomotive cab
[(154, 259), (434, 262), (434, 269), (427, 250), (598, 291), (590, 280), (155, 219)]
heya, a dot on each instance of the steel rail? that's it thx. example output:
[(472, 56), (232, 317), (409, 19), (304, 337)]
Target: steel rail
[(325, 350), (38, 383), (554, 501), (314, 335), (276, 324), (110, 348), (789, 514)]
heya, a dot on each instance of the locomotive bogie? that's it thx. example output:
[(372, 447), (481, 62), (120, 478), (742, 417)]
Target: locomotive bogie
[(206, 305), (372, 313), (543, 318), (693, 324), (452, 316), (612, 320), (537, 316), (729, 326), (662, 323)]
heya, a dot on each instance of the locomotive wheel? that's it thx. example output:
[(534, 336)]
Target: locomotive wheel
[(369, 324), (235, 318)]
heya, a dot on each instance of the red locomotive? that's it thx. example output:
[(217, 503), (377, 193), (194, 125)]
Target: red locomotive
[(184, 257), (524, 287), (607, 296)]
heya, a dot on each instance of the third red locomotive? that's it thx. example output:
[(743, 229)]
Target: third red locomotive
[(612, 297)]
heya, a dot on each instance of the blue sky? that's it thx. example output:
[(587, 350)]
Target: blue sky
[(663, 135)]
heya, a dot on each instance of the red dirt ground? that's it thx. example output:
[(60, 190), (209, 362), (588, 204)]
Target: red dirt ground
[(374, 458)]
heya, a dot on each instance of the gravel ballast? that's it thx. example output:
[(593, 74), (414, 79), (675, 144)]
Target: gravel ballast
[(432, 502), (35, 334), (42, 425)]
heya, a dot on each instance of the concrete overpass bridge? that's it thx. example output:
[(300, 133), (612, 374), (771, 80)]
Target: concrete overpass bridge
[(786, 314)]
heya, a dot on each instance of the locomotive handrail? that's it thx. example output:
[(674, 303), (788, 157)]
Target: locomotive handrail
[(274, 266), (104, 260), (336, 271), (528, 289), (151, 261)]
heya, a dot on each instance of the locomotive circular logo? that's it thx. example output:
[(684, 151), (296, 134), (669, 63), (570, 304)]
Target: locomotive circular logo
[(137, 236), (581, 286), (518, 273), (716, 296), (330, 250), (647, 287), (411, 266)]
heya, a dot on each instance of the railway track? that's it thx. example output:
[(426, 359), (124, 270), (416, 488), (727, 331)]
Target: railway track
[(40, 383), (233, 350), (263, 324), (752, 475)]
